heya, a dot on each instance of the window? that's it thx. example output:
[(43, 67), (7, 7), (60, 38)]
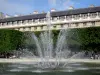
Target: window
[(77, 24), (84, 24), (24, 22), (62, 18), (35, 21), (15, 22), (54, 18), (30, 21), (62, 26), (68, 17), (99, 14), (84, 16), (76, 17), (35, 28), (69, 25), (18, 28), (54, 26), (41, 27), (93, 15), (93, 23), (23, 28), (5, 23), (44, 19), (9, 23), (2, 23), (19, 22), (29, 28), (41, 20)]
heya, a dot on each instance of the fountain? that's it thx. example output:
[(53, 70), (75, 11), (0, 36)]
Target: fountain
[(50, 56)]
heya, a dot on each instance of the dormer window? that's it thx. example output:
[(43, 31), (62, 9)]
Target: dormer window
[(71, 8), (91, 6)]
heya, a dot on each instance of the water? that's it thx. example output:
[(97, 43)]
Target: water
[(48, 50), (71, 69), (50, 59)]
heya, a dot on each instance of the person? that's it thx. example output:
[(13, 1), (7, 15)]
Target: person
[(96, 56), (12, 56), (93, 55), (86, 54)]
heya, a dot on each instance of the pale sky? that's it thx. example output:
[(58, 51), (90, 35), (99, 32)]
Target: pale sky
[(13, 7)]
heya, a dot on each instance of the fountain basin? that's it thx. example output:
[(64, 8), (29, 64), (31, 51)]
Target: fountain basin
[(36, 60)]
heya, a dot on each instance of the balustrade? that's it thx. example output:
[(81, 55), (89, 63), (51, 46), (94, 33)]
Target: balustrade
[(79, 17)]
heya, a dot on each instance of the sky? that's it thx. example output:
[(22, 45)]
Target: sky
[(25, 7)]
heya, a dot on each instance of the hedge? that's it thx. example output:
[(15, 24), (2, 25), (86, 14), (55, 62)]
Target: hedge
[(10, 40), (80, 38)]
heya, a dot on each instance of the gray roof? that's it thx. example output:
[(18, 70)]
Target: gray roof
[(53, 14)]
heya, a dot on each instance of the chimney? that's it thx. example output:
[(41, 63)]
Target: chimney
[(20, 15), (7, 16), (71, 7), (16, 15), (35, 12), (91, 6), (2, 16), (53, 10), (43, 12)]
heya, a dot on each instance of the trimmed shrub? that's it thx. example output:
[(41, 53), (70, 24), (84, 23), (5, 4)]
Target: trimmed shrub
[(10, 40)]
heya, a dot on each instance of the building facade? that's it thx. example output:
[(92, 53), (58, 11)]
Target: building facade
[(73, 18)]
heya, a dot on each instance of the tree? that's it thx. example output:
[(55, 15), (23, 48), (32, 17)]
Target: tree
[(89, 38), (10, 40)]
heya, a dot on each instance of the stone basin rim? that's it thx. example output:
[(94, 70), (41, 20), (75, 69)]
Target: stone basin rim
[(35, 60)]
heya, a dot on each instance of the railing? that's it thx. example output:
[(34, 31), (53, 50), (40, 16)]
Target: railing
[(84, 18)]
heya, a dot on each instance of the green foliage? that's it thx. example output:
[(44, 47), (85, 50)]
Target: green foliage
[(55, 35), (37, 33), (89, 38), (83, 38), (10, 40)]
